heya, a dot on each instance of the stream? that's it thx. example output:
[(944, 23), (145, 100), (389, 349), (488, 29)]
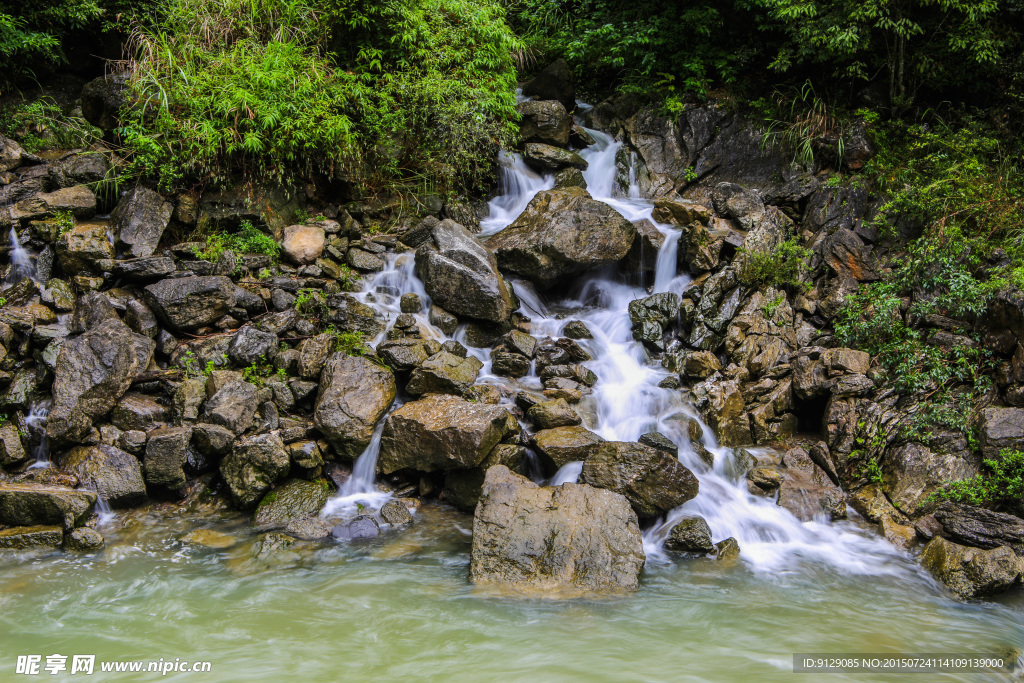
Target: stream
[(401, 606)]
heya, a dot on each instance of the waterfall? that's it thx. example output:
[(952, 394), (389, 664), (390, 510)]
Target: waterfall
[(36, 422), (22, 265), (627, 402), (519, 184)]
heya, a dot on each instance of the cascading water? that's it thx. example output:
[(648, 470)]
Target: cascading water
[(22, 265), (36, 422), (519, 184)]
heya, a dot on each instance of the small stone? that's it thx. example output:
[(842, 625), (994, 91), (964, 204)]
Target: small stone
[(395, 512), (84, 539), (208, 538), (410, 303), (308, 529), (727, 550), (551, 414), (362, 526), (576, 329), (690, 534)]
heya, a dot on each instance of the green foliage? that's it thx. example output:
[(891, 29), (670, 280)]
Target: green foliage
[(780, 268), (348, 279), (310, 303), (640, 47), (1000, 486), (283, 88), (259, 372), (915, 42), (809, 120), (248, 240), (33, 31), (65, 221), (42, 124)]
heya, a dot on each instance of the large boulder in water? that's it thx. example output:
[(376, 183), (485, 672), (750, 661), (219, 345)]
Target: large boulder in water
[(553, 538), (545, 122), (549, 159), (139, 220), (186, 303), (30, 504), (553, 83), (461, 276), (652, 480), (115, 475), (972, 572), (93, 371), (442, 432), (562, 232), (355, 393)]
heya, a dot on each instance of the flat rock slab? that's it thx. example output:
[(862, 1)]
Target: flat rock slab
[(39, 504)]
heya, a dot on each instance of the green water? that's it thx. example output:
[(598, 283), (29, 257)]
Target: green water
[(400, 607)]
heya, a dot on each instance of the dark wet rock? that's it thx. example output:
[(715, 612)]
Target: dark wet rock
[(554, 82), (461, 276), (570, 177), (84, 540), (765, 479), (1001, 428), (506, 364), (251, 345), (806, 489), (981, 528), (102, 99), (187, 303), (562, 232), (562, 445), (396, 513), (78, 200), (211, 439), (139, 221), (972, 572), (294, 500), (553, 538), (653, 481), (115, 475), (354, 395), (166, 455), (139, 412), (405, 355), (255, 464), (79, 168), (233, 406), (93, 371), (553, 414), (442, 432), (361, 527), (444, 373), (690, 534), (548, 158), (462, 487), (577, 329), (545, 122), (348, 313), (363, 260), (32, 504), (660, 442), (27, 537), (313, 354)]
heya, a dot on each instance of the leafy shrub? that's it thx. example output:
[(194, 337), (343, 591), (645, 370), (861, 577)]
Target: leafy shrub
[(377, 92), (42, 124), (783, 267), (248, 240), (1000, 486)]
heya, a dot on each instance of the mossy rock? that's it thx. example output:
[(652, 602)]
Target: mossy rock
[(295, 499)]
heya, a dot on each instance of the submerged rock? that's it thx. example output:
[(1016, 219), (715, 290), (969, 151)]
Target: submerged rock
[(562, 232), (362, 526), (972, 572), (26, 537), (571, 537)]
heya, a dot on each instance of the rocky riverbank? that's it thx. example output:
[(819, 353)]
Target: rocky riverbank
[(139, 366)]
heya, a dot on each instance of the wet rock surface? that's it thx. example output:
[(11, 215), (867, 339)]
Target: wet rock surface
[(570, 537)]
